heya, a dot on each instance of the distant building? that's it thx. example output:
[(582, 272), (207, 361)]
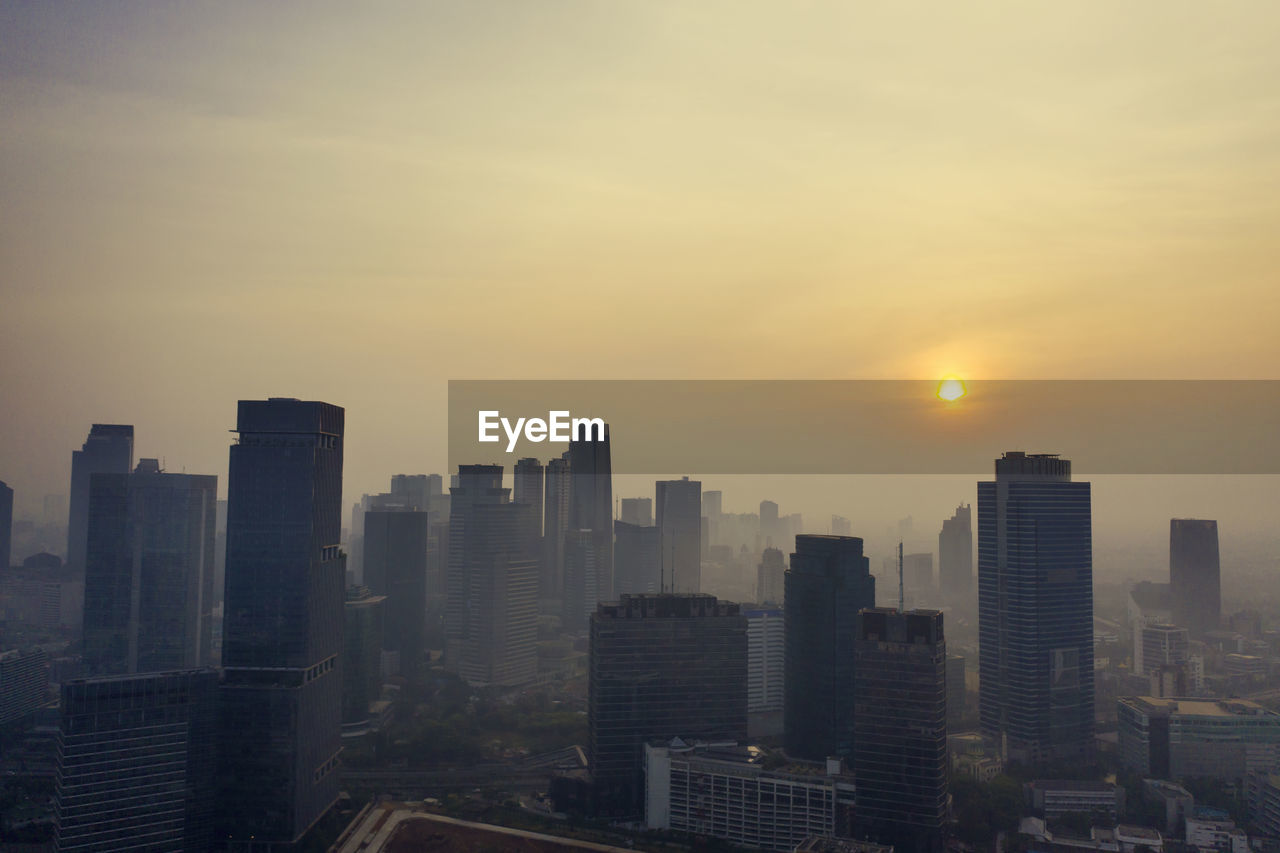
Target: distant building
[(580, 595), (148, 598), (771, 577), (900, 728), (6, 526), (639, 511), (955, 691), (591, 502), (501, 647), (661, 666), (396, 546), (136, 762), (724, 791), (1035, 609), (636, 567), (679, 521), (770, 530), (841, 526), (361, 653), (528, 485), (1055, 798), (955, 555), (476, 485), (1186, 738), (1160, 645), (107, 450), (917, 572), (1194, 574), (24, 683), (555, 524), (828, 583), (766, 658)]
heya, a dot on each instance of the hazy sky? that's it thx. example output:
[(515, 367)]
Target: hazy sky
[(355, 202)]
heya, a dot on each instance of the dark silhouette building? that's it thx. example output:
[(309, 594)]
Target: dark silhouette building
[(136, 762), (591, 502), (477, 485), (900, 723), (396, 544), (955, 555), (361, 653), (107, 450), (661, 666), (281, 698), (828, 583), (679, 523), (580, 592), (555, 515), (6, 526), (636, 566), (771, 577), (638, 511), (501, 645), (1035, 609), (1195, 581), (148, 586)]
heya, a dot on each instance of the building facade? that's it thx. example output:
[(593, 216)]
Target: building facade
[(501, 646), (1181, 739), (397, 543), (107, 450), (679, 520)]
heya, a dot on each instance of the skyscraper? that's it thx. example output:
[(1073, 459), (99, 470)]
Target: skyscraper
[(107, 450), (580, 592), (361, 652), (770, 529), (638, 511), (136, 763), (1035, 609), (955, 555), (477, 485), (900, 723), (395, 565), (661, 666), (828, 584), (148, 587), (679, 522), (635, 558), (528, 490), (555, 510), (501, 645), (766, 663), (1194, 574), (591, 502), (771, 576), (6, 525), (281, 699)]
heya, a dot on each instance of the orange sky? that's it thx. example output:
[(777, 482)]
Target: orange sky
[(203, 203)]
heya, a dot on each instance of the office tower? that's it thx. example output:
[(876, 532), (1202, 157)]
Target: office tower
[(712, 510), (900, 728), (1035, 610), (501, 646), (1160, 645), (661, 666), (477, 485), (395, 565), (591, 502), (148, 585), (636, 567), (841, 526), (361, 652), (580, 594), (955, 691), (955, 555), (24, 682), (417, 492), (1224, 739), (712, 503), (6, 526), (679, 508), (1194, 577), (136, 763), (107, 450), (769, 529), (529, 490), (555, 509), (280, 723), (828, 584), (766, 662), (771, 576), (917, 572), (638, 511)]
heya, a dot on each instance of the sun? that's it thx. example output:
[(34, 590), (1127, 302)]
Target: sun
[(951, 388)]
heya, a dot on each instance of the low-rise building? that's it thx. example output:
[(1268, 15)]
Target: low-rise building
[(1186, 738), (1177, 801), (1055, 798), (1222, 835)]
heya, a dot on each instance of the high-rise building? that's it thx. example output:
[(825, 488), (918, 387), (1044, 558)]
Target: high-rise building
[(679, 509), (555, 523), (580, 592), (638, 511), (1194, 574), (501, 646), (107, 450), (417, 492), (766, 662), (1035, 609), (136, 763), (771, 576), (841, 526), (528, 482), (955, 691), (955, 555), (770, 530), (280, 726), (396, 543), (900, 725), (477, 485), (591, 501), (361, 652), (1159, 646), (148, 586), (636, 567), (917, 572), (24, 682), (828, 583), (661, 666), (6, 525)]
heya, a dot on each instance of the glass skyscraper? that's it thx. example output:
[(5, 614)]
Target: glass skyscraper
[(281, 699), (107, 450), (1035, 609)]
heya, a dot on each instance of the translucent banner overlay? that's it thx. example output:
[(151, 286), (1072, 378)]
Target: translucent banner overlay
[(877, 426)]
